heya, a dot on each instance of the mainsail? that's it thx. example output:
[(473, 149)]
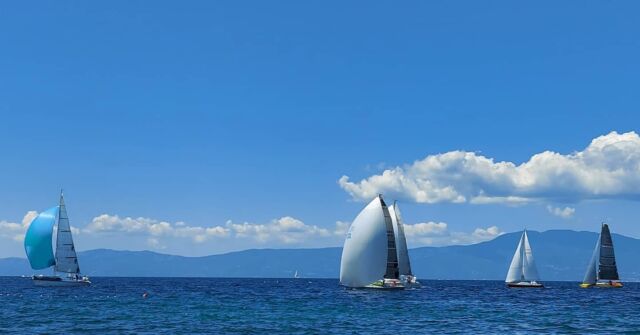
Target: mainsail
[(603, 261), (523, 266), (608, 269), (404, 265), (369, 249), (66, 258)]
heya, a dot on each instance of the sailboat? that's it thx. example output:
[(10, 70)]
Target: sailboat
[(38, 246), (369, 257), (404, 264), (602, 270), (296, 275), (522, 271)]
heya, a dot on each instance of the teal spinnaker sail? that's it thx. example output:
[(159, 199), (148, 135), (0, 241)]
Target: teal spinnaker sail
[(37, 241)]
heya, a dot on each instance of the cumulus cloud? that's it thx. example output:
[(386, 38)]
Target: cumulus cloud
[(16, 231), (438, 234), (565, 213), (609, 167), (285, 229), (113, 223), (425, 229)]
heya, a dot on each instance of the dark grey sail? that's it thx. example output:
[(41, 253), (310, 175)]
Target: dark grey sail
[(392, 271), (66, 258), (607, 269)]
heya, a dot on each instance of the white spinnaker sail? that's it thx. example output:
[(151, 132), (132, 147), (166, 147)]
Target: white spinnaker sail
[(529, 269), (404, 264), (364, 256), (592, 270), (515, 273), (66, 258)]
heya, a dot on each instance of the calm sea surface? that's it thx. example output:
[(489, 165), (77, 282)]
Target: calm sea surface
[(314, 306)]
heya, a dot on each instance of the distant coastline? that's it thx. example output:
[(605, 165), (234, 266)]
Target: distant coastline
[(562, 255)]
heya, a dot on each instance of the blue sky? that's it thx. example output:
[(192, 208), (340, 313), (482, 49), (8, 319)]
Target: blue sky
[(212, 115)]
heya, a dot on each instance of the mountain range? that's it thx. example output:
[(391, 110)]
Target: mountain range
[(559, 254)]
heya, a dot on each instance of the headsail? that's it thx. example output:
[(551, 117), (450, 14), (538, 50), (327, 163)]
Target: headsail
[(365, 256), (592, 271), (37, 241), (607, 268), (404, 264), (515, 273), (66, 258), (530, 271)]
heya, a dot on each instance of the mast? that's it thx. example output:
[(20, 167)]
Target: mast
[(66, 258)]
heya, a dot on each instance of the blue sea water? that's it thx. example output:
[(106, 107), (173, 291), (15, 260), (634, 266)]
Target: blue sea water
[(312, 306)]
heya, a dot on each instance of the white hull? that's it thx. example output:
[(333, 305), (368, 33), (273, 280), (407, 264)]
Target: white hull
[(525, 284), (410, 282), (59, 282)]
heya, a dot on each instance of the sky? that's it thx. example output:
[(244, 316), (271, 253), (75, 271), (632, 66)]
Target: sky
[(208, 127)]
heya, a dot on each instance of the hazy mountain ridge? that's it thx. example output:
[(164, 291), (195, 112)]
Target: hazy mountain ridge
[(559, 254)]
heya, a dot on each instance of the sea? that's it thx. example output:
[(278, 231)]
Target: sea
[(312, 306)]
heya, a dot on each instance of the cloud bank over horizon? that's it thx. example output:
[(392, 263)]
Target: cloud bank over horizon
[(608, 168), (286, 231)]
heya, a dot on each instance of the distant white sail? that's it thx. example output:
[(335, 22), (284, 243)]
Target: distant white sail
[(369, 252), (404, 264), (66, 258), (523, 266)]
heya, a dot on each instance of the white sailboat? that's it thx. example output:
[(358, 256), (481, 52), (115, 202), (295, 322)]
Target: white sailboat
[(296, 275), (404, 264), (369, 257), (602, 270), (39, 250), (523, 271)]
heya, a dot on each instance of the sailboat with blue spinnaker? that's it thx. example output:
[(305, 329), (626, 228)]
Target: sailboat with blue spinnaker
[(39, 248)]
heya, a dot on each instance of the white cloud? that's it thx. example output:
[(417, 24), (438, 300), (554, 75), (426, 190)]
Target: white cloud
[(608, 168), (16, 231), (285, 229), (438, 234), (425, 229), (342, 227), (564, 213), (106, 223)]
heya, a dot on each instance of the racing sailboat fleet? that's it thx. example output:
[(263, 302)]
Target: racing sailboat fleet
[(375, 253)]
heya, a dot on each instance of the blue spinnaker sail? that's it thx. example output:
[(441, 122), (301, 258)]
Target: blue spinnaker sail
[(37, 241)]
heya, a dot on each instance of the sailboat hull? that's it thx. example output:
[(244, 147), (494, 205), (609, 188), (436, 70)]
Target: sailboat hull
[(387, 284), (525, 284), (614, 284), (55, 281)]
